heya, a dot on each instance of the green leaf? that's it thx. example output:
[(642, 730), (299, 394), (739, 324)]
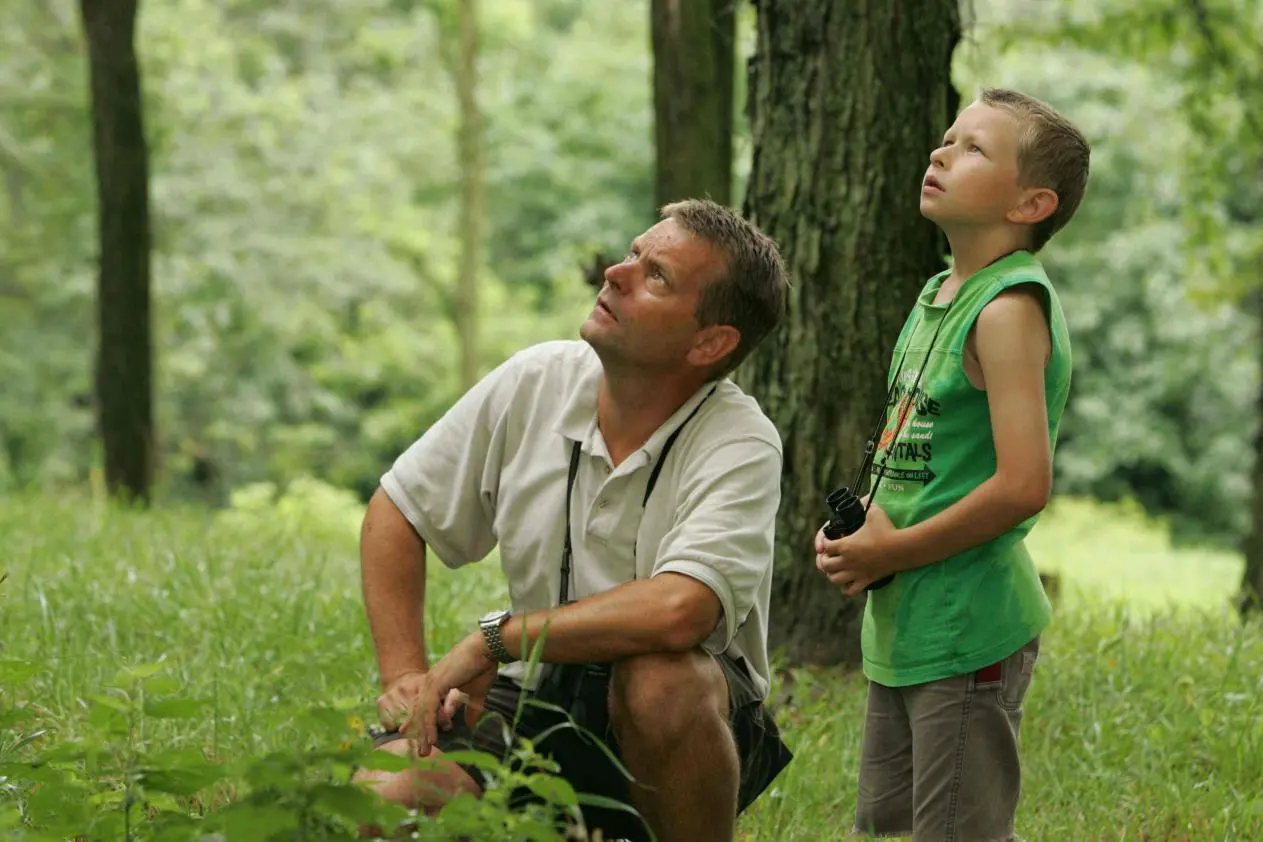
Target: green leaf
[(176, 708), (385, 761), (33, 773), (163, 685), (555, 790), (14, 716), (13, 671), (323, 720), (536, 830), (188, 779), (111, 702), (591, 800), (478, 759), (346, 800), (105, 716), (255, 821), (137, 672)]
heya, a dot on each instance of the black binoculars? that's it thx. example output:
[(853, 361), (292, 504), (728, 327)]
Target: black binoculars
[(846, 516)]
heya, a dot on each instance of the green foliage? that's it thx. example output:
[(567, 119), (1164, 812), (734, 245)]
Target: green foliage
[(185, 676), (181, 675), (305, 188), (304, 192), (1166, 363)]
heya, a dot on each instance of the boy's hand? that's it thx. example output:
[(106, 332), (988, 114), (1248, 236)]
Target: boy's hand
[(853, 562)]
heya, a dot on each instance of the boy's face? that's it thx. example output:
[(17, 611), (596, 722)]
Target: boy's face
[(972, 180)]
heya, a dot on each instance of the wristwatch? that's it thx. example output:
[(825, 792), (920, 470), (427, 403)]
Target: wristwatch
[(491, 623)]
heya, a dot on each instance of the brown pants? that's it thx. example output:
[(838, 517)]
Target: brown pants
[(940, 761)]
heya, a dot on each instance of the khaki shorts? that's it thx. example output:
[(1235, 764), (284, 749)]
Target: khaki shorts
[(940, 761)]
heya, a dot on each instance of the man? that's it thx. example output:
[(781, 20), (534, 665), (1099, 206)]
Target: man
[(657, 633)]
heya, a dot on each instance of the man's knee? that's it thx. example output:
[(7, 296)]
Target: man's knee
[(663, 695), (425, 785)]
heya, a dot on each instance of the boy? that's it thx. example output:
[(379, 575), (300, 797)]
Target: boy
[(980, 376)]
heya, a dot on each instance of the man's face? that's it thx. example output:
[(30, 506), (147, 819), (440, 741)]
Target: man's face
[(972, 179), (644, 314)]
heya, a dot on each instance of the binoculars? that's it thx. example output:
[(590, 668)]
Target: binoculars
[(846, 515)]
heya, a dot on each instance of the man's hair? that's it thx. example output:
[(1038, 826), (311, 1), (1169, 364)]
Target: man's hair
[(1051, 152), (748, 292)]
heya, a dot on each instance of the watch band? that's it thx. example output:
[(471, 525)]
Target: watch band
[(491, 626)]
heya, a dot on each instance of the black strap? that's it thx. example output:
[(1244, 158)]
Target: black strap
[(567, 553), (871, 446)]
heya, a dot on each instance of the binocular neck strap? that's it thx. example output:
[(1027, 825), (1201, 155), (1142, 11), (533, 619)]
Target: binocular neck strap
[(567, 552), (870, 447)]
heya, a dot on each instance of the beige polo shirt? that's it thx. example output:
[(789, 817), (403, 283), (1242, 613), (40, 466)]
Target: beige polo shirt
[(493, 471)]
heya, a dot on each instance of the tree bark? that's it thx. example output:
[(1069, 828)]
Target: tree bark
[(469, 142), (846, 103), (124, 366), (1251, 595), (694, 58)]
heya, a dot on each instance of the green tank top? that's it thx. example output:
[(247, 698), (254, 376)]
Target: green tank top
[(980, 606)]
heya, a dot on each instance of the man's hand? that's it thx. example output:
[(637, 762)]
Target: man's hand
[(463, 674), (853, 562), (394, 705)]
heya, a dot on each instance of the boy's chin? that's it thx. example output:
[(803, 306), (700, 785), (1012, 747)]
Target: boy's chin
[(930, 212)]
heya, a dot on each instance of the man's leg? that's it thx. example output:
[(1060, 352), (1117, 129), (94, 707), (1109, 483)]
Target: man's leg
[(669, 713), (426, 787), (433, 785), (966, 752)]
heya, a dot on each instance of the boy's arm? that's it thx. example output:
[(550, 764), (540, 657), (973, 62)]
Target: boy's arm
[(1013, 346)]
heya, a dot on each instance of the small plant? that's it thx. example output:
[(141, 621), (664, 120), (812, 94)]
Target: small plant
[(119, 779)]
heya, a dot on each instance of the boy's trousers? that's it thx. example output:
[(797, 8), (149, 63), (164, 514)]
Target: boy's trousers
[(940, 761)]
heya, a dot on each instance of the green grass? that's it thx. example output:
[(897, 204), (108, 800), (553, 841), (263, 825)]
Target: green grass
[(1145, 720), (1115, 555)]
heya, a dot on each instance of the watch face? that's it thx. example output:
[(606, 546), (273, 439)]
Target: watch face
[(492, 616)]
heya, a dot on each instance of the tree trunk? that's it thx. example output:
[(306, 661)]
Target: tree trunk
[(846, 103), (469, 142), (694, 59), (1251, 596), (124, 366)]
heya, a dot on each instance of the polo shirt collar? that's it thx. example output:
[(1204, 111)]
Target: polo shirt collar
[(577, 419)]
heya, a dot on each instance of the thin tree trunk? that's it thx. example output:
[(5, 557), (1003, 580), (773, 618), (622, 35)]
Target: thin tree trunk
[(469, 142), (846, 102), (124, 366), (694, 57), (1251, 596)]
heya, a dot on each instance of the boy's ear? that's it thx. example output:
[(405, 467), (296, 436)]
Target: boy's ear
[(1036, 205)]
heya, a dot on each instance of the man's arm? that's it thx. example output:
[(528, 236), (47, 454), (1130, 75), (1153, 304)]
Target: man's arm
[(667, 613), (1013, 348), (709, 567), (392, 575)]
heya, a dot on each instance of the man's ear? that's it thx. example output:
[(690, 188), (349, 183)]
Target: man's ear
[(1037, 204), (713, 344)]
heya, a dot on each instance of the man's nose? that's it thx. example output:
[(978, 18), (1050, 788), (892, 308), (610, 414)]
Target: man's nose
[(939, 157), (617, 275)]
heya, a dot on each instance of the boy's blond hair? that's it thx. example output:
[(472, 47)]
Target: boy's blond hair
[(1051, 152)]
